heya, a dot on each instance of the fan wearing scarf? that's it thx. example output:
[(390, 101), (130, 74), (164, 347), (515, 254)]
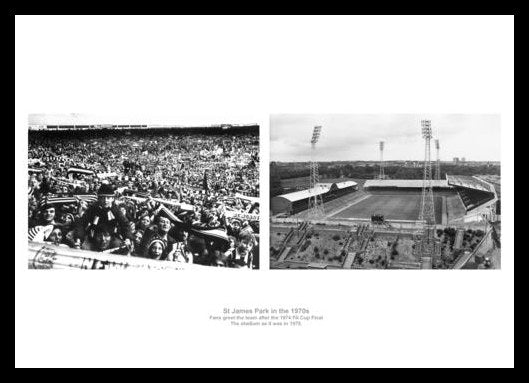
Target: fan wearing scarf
[(107, 213), (45, 224)]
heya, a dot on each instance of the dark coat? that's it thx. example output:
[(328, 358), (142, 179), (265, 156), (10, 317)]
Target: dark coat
[(116, 221)]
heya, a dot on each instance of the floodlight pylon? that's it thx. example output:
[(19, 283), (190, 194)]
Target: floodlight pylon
[(315, 209)]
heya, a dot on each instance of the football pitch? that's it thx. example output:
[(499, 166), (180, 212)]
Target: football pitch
[(392, 206)]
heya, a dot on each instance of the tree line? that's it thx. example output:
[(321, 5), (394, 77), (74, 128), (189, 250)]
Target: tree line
[(333, 170)]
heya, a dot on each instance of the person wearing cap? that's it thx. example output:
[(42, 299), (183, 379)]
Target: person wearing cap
[(104, 212)]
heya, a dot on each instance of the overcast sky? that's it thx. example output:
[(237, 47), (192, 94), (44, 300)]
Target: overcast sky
[(347, 137)]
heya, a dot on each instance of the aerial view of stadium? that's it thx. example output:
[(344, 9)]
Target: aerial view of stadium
[(332, 209), (105, 194)]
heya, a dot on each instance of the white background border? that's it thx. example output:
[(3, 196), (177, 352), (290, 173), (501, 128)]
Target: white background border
[(243, 69)]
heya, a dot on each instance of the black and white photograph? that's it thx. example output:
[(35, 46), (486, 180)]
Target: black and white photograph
[(385, 192), (177, 176), (106, 194)]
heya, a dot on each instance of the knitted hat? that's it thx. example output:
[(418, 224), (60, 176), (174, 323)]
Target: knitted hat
[(157, 240)]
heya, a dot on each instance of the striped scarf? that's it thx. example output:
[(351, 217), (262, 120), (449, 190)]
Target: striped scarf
[(40, 233), (56, 200)]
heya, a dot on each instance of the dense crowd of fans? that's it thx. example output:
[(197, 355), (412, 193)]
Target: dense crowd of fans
[(185, 197)]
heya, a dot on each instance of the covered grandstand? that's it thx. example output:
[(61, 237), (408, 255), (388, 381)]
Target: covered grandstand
[(469, 182), (397, 199), (403, 184), (295, 202), (473, 191)]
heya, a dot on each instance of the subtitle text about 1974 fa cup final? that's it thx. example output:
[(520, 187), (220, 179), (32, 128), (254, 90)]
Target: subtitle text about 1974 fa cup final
[(266, 317)]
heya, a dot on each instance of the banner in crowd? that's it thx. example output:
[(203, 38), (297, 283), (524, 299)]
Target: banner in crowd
[(247, 198), (80, 171), (182, 206), (35, 162), (217, 234), (68, 182), (106, 175), (242, 216), (47, 256)]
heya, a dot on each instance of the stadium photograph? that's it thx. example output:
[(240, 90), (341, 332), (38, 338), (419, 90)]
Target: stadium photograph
[(107, 192), (385, 192)]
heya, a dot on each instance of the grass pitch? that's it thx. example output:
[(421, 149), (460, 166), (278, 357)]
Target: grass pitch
[(392, 206)]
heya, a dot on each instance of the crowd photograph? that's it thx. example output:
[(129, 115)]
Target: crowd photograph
[(187, 194)]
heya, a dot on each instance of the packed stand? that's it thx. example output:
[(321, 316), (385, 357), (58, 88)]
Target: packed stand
[(189, 198)]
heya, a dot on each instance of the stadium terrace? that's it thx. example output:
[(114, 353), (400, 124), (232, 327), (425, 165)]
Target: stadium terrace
[(159, 193)]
